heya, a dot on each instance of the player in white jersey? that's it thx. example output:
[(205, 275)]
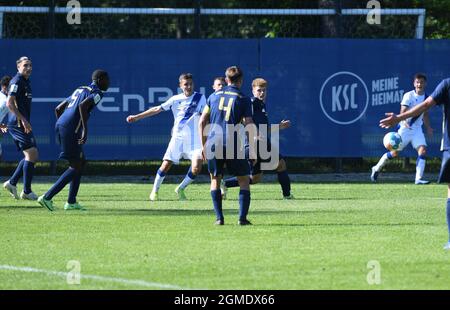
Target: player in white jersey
[(411, 131), (4, 82), (185, 142)]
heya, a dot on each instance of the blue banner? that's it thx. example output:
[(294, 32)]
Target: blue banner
[(333, 91)]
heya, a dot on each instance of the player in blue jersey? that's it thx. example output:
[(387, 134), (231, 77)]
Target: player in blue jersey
[(411, 131), (184, 143), (4, 83), (224, 110), (219, 83), (260, 118), (441, 97), (72, 131), (19, 127)]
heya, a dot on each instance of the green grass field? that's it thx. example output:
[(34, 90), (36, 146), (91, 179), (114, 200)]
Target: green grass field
[(322, 240)]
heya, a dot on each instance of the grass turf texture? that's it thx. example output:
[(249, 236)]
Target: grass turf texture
[(322, 240)]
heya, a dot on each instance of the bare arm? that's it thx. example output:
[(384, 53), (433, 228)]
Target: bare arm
[(202, 123), (150, 112), (392, 119), (12, 106), (426, 122), (204, 120), (281, 126), (60, 109)]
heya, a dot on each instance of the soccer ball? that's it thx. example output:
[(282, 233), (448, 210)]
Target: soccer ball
[(392, 141)]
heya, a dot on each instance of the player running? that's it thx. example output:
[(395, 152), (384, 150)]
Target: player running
[(411, 131), (186, 108)]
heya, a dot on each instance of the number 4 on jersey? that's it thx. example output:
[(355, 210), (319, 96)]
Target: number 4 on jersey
[(227, 108)]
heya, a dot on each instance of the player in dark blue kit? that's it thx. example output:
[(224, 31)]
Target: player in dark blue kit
[(19, 104), (224, 110), (440, 96), (259, 89), (71, 130)]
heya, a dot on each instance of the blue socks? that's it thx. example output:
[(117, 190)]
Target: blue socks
[(28, 171), (63, 180), (244, 204), (74, 186), (285, 182), (17, 173), (216, 196), (190, 174)]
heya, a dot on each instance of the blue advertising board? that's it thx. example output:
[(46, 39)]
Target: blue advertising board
[(334, 91)]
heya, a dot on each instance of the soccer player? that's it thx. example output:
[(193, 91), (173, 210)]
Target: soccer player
[(411, 131), (260, 118), (19, 127), (4, 83), (225, 109), (186, 108), (219, 83), (72, 131), (441, 97)]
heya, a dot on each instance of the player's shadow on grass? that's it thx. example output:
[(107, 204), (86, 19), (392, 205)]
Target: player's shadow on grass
[(209, 212), (20, 207), (346, 224)]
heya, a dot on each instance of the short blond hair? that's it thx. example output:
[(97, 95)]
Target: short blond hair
[(259, 82)]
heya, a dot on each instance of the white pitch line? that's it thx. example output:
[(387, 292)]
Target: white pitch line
[(95, 277)]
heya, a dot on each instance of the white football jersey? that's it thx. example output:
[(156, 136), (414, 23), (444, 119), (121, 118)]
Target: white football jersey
[(411, 99), (3, 108), (186, 112)]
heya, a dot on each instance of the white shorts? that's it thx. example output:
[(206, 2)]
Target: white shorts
[(182, 147), (413, 136)]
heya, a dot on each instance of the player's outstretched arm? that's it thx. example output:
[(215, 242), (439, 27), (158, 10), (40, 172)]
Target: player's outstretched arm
[(392, 119), (426, 122), (12, 106), (148, 113), (284, 124), (61, 108), (202, 123)]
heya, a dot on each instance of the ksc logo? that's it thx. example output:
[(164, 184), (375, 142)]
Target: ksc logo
[(344, 98)]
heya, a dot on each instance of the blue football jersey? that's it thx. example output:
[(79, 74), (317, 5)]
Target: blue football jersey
[(71, 118), (442, 97), (21, 89), (227, 107)]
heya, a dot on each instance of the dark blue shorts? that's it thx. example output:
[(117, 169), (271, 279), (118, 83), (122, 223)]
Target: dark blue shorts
[(23, 141), (444, 174), (68, 141), (236, 167), (256, 169)]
